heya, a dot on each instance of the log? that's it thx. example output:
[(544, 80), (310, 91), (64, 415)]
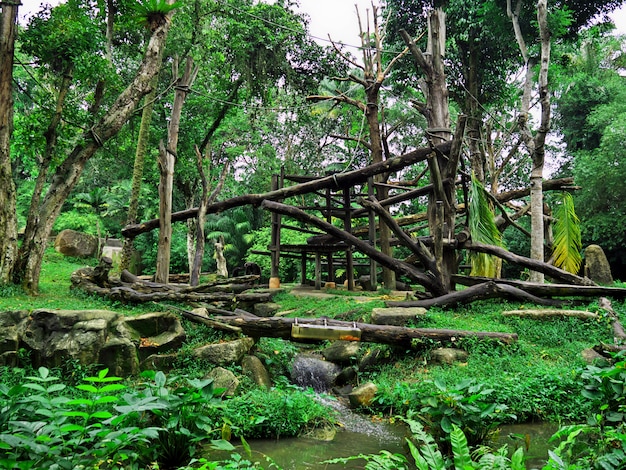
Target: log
[(619, 335), (194, 317), (339, 180), (546, 290), (128, 294), (560, 184), (535, 265), (487, 290), (549, 313), (431, 284), (280, 327)]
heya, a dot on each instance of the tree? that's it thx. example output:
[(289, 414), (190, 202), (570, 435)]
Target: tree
[(8, 218), (66, 175)]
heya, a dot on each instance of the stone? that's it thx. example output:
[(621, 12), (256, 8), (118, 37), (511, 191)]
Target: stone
[(396, 316), (156, 332), (597, 267), (342, 352), (73, 243), (590, 355), (310, 371), (448, 355), (254, 368), (346, 376), (230, 352), (224, 379), (162, 362), (363, 395), (51, 337), (266, 309), (114, 253), (370, 359)]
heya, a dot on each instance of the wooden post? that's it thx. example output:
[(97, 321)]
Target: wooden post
[(277, 182), (303, 269), (372, 234), (347, 226), (329, 218), (318, 270)]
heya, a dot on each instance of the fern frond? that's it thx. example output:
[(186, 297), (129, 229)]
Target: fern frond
[(460, 449), (567, 242), (427, 456)]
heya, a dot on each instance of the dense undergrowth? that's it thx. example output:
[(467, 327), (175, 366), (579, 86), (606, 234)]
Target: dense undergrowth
[(161, 422)]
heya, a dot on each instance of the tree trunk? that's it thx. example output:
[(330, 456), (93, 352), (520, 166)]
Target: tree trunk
[(28, 265), (140, 156), (8, 211), (167, 159)]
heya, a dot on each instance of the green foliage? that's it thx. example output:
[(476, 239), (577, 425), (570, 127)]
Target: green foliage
[(276, 413), (467, 405), (483, 229), (384, 460), (153, 13), (567, 244)]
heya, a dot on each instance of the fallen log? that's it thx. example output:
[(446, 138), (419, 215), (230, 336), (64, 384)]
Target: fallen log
[(619, 335), (546, 290), (127, 294), (486, 290), (280, 327), (545, 313), (532, 264)]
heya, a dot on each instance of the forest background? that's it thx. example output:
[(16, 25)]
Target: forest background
[(248, 112)]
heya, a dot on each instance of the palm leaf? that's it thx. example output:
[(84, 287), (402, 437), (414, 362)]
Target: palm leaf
[(567, 243), (483, 229)]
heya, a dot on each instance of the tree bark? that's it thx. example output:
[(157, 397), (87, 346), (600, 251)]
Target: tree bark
[(487, 290), (8, 211), (167, 159), (539, 266), (336, 181), (28, 265)]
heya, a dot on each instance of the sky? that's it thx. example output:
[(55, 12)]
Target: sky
[(335, 17)]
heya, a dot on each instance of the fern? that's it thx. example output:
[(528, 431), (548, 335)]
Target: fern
[(427, 456), (483, 229), (567, 243), (462, 458)]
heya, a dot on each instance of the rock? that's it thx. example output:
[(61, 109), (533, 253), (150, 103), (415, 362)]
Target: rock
[(89, 336), (346, 376), (266, 309), (114, 253), (363, 395), (51, 337), (597, 267), (156, 332), (311, 371), (231, 352), (590, 355), (342, 351), (371, 358), (397, 316), (365, 283), (254, 368), (73, 243), (162, 362), (448, 355), (223, 378)]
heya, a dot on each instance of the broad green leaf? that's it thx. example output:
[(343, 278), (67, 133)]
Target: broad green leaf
[(462, 459)]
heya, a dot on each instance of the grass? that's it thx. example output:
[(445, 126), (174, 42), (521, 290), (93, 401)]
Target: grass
[(537, 377)]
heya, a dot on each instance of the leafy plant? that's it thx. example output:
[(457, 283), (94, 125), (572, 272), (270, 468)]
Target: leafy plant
[(567, 242), (466, 406), (483, 229)]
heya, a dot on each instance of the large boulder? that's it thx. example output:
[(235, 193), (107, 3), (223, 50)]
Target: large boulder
[(73, 243), (230, 352), (397, 316), (597, 267), (254, 368), (52, 337), (342, 351), (311, 371)]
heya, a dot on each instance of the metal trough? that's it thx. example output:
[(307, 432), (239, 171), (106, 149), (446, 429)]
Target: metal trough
[(325, 332)]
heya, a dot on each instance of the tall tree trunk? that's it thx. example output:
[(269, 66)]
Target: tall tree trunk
[(8, 211), (442, 201), (140, 157), (536, 144), (167, 158), (28, 265)]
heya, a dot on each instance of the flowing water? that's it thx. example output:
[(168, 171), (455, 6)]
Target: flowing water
[(533, 437), (358, 434)]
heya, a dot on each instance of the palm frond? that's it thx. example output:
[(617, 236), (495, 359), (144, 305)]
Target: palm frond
[(567, 243), (483, 229)]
